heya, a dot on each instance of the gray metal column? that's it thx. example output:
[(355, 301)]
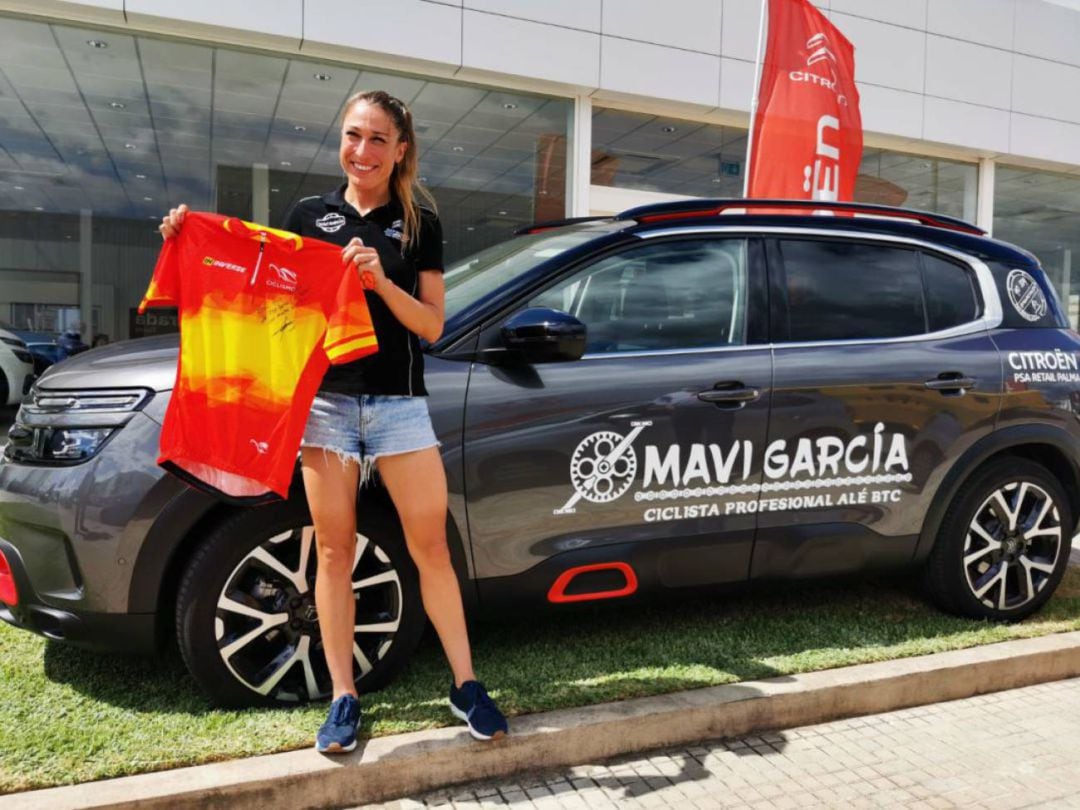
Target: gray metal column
[(260, 194), (86, 286)]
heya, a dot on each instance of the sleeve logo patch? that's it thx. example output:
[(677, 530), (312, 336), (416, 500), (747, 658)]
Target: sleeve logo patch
[(331, 223)]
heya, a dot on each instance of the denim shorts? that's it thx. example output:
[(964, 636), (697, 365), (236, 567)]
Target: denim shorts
[(363, 428)]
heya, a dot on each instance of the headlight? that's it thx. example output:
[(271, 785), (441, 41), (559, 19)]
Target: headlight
[(13, 342), (64, 427), (60, 445), (74, 444), (24, 355)]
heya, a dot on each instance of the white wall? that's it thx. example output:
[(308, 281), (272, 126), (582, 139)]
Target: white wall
[(988, 77)]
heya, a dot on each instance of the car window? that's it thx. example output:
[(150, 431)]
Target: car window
[(839, 290), (950, 294), (474, 277), (669, 295)]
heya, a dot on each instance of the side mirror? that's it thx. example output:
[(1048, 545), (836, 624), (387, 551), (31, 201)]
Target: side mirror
[(542, 335)]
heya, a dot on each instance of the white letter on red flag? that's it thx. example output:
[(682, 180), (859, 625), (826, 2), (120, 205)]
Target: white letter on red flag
[(807, 135)]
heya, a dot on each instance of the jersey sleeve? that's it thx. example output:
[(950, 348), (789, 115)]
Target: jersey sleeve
[(350, 334), (429, 247), (164, 289)]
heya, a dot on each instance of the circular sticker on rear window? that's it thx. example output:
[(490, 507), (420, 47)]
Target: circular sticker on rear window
[(1025, 295)]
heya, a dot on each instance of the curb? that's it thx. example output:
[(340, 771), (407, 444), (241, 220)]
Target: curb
[(388, 768)]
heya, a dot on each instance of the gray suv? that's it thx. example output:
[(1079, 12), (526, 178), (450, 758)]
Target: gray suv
[(684, 395)]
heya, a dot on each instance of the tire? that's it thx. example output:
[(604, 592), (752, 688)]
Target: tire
[(245, 616), (1004, 543)]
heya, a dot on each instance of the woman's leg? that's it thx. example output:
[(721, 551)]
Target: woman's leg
[(331, 493), (417, 484)]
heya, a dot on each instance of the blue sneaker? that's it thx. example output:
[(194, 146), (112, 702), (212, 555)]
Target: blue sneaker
[(338, 734), (472, 704)]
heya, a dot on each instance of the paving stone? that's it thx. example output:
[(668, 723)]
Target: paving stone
[(1006, 751)]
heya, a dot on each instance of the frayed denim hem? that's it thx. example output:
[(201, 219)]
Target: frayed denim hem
[(345, 457)]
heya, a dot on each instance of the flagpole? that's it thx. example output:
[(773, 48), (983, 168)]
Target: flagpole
[(754, 99)]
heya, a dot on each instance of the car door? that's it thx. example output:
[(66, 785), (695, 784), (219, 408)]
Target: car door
[(884, 373), (629, 455)]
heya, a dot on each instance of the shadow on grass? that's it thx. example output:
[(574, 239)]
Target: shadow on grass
[(159, 684), (607, 652)]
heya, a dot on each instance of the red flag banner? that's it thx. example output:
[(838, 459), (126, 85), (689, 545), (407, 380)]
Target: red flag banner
[(807, 136)]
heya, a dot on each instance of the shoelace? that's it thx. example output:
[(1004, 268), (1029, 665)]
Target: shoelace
[(339, 712), (482, 701)]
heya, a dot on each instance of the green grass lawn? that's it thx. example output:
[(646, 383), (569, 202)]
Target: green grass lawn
[(67, 715)]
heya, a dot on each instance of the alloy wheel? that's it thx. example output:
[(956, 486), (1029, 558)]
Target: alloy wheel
[(266, 624), (1012, 545)]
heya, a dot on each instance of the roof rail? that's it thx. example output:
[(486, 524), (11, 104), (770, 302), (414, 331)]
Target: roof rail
[(536, 227), (688, 209)]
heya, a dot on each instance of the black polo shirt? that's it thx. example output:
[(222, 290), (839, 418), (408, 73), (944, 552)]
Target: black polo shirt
[(398, 366)]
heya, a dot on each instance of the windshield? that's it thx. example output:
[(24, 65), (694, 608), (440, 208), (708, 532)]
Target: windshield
[(470, 279)]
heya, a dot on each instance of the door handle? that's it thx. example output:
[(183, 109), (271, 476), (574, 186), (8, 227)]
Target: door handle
[(733, 393), (950, 382)]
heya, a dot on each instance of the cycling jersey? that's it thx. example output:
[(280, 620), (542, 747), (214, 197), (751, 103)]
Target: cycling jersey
[(262, 315)]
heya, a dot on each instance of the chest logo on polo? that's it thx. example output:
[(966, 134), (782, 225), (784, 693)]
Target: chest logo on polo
[(394, 231), (331, 223)]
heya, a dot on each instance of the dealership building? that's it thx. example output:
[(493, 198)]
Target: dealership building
[(111, 111)]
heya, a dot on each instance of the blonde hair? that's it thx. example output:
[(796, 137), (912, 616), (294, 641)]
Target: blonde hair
[(404, 182)]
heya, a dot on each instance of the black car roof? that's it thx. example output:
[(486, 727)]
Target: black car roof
[(878, 219)]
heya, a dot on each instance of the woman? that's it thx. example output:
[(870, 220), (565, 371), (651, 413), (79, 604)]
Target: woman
[(372, 412)]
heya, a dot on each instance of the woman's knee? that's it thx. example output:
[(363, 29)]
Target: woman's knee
[(335, 544), (430, 551)]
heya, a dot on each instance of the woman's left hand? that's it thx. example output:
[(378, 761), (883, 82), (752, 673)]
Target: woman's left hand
[(367, 263)]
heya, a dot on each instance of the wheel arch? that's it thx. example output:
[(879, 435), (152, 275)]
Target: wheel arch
[(185, 520), (1049, 446)]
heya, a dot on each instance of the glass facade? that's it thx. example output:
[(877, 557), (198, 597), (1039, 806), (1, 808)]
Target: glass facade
[(670, 155), (102, 131), (914, 181), (1040, 211), (673, 156)]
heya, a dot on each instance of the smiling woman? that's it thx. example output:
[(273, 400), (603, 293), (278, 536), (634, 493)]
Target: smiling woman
[(102, 129)]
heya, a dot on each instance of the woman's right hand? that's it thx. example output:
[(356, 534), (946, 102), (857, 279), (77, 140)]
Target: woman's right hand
[(172, 221)]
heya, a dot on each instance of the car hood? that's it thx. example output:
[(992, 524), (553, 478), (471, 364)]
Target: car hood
[(143, 363)]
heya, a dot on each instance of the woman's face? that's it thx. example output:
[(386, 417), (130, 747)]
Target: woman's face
[(370, 146)]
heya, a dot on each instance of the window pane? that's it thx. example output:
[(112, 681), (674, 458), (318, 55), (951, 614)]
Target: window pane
[(670, 155), (848, 291), (950, 296), (667, 296), (1040, 211), (917, 181)]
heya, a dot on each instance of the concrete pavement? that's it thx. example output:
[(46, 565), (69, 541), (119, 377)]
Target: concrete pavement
[(1003, 751)]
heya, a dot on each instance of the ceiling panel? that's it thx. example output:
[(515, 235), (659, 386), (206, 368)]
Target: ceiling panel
[(144, 123)]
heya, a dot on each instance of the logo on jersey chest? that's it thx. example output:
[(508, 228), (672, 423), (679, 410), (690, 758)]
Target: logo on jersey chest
[(331, 223), (394, 231), (286, 278), (210, 261)]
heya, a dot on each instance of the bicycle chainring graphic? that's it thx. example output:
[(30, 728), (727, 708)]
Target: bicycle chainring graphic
[(596, 474)]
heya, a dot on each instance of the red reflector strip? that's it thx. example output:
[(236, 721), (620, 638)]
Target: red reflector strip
[(558, 593), (9, 594)]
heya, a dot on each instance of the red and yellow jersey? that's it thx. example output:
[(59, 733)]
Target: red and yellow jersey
[(262, 315)]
